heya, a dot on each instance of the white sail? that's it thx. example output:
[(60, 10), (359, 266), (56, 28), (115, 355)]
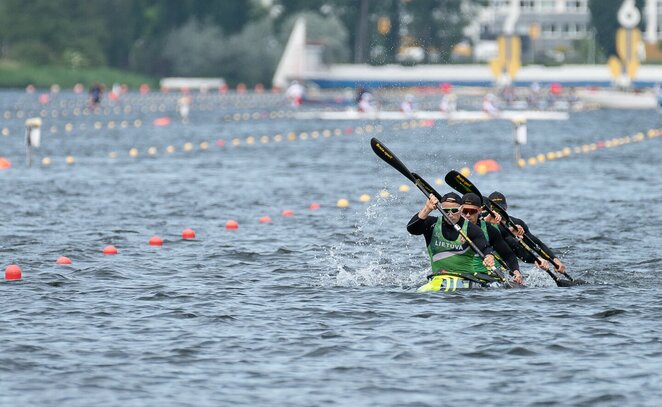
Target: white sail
[(292, 63)]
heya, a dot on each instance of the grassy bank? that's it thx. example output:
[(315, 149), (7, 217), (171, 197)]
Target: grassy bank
[(14, 75)]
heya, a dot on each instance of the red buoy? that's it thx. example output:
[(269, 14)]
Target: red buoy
[(314, 206), (109, 250), (13, 272), (232, 225), (155, 241), (265, 219), (63, 260), (288, 213), (188, 234)]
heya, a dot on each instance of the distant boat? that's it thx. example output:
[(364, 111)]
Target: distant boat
[(616, 99), (460, 115)]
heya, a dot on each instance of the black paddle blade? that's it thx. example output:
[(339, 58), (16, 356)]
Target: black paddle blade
[(387, 155), (568, 283), (461, 184)]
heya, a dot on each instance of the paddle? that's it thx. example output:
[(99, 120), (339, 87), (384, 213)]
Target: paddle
[(462, 184), (385, 154)]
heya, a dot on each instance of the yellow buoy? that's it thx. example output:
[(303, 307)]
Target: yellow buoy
[(404, 188), (342, 203), (170, 149), (465, 171), (521, 163), (438, 181), (113, 154), (46, 161), (204, 145), (532, 161), (133, 152), (364, 198), (70, 160), (384, 194), (541, 158), (152, 151), (188, 146)]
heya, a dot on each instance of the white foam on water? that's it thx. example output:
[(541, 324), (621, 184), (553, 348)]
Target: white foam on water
[(370, 259)]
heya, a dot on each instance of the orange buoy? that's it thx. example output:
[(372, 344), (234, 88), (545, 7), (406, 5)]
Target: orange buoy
[(485, 166), (232, 225), (265, 219), (162, 121), (288, 213), (188, 234), (109, 250), (4, 163), (314, 206), (155, 241), (63, 260), (241, 88), (13, 272)]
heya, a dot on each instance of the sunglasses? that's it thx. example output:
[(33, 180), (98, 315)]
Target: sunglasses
[(451, 210), (469, 211), (484, 214)]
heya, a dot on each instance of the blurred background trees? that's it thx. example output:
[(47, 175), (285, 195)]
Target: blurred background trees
[(241, 40)]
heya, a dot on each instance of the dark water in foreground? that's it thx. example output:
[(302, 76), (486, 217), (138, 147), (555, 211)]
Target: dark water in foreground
[(319, 308)]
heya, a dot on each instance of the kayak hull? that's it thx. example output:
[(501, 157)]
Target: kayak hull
[(447, 283)]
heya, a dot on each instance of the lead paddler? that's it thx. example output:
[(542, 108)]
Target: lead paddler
[(452, 258)]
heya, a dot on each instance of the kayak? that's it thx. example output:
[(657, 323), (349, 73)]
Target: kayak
[(460, 115), (445, 282), (449, 282)]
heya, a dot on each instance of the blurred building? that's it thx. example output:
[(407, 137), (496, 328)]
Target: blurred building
[(548, 26)]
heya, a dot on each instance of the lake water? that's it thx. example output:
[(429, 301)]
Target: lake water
[(318, 308)]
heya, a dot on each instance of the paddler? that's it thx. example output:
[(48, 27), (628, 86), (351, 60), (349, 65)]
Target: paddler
[(448, 251), (523, 228), (470, 210)]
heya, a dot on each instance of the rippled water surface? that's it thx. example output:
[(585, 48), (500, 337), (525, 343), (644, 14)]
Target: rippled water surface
[(318, 308)]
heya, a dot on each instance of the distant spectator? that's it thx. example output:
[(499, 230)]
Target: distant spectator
[(96, 91)]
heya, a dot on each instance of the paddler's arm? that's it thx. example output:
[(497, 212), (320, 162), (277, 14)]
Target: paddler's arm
[(418, 226), (504, 251)]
